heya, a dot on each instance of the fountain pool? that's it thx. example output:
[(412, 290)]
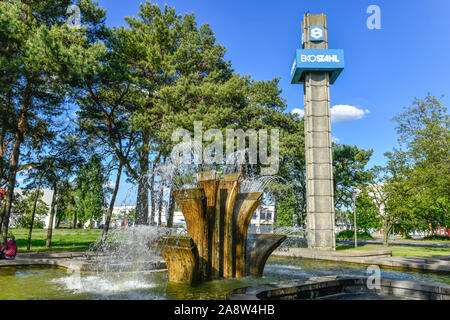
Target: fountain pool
[(39, 282)]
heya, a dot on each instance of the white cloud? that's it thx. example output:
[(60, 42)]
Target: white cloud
[(335, 139), (345, 113), (300, 112), (341, 113)]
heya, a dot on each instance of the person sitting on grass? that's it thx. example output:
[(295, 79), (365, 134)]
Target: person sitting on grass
[(9, 250)]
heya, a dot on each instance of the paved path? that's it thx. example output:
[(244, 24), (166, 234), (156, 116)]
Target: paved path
[(70, 260), (60, 259), (380, 257)]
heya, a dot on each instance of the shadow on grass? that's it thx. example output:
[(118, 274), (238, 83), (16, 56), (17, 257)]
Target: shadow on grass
[(40, 245)]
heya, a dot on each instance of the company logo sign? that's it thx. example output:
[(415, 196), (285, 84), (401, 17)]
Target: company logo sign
[(319, 58), (306, 60), (316, 33)]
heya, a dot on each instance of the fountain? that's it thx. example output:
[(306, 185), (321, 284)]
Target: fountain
[(217, 218)]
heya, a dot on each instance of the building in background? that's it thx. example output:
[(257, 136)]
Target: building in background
[(121, 213), (261, 221), (47, 198)]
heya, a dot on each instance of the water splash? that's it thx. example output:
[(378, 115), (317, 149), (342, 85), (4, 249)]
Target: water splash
[(260, 184), (235, 162), (291, 231), (296, 237), (128, 249), (127, 263), (104, 284)]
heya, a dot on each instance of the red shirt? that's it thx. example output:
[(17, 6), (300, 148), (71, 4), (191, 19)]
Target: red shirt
[(11, 248)]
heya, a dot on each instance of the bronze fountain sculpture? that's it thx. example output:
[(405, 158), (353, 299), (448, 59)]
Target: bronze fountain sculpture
[(217, 219)]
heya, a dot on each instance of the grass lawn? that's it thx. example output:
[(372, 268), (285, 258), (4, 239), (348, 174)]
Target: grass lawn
[(62, 239), (446, 239), (81, 239), (399, 250)]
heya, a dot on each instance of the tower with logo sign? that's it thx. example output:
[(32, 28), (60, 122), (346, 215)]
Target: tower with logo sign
[(316, 67)]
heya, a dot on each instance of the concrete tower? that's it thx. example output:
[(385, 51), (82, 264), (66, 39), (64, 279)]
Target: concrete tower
[(316, 67)]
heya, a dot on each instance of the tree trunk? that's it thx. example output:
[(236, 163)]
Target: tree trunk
[(142, 202), (58, 220), (152, 195), (386, 232), (75, 217), (33, 214), (15, 159), (275, 213), (52, 217), (10, 198), (142, 196), (160, 202), (3, 213), (385, 239), (111, 204), (170, 210)]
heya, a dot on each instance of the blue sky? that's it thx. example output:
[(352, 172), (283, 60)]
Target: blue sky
[(385, 69)]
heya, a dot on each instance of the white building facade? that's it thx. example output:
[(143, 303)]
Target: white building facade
[(47, 198)]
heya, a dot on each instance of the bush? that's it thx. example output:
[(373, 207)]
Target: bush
[(435, 237), (349, 235)]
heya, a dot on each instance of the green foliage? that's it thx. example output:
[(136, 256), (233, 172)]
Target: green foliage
[(348, 172), (65, 203), (366, 212), (350, 235), (162, 72), (90, 194), (41, 60), (23, 210), (411, 191), (136, 84), (287, 208), (419, 170), (290, 190), (424, 130)]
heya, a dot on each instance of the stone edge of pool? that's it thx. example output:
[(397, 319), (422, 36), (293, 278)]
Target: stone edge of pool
[(379, 257), (314, 288), (330, 287), (68, 260)]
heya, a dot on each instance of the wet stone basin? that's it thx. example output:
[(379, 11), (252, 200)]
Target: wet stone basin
[(46, 282)]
